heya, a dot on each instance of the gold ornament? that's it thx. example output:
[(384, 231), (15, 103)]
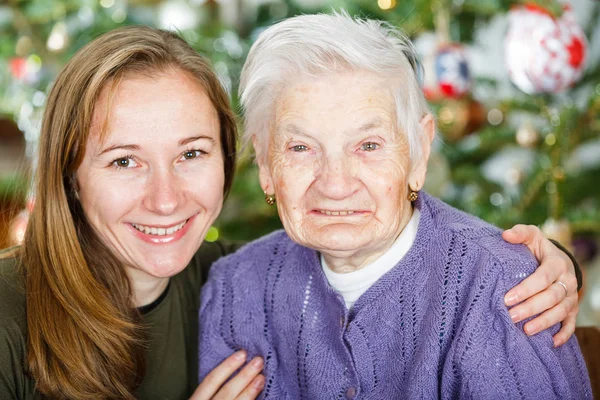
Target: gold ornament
[(527, 136), (559, 230), (458, 118)]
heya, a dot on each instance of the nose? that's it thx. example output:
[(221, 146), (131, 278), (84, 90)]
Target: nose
[(164, 192), (336, 176)]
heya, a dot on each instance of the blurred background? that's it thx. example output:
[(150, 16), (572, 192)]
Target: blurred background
[(515, 87)]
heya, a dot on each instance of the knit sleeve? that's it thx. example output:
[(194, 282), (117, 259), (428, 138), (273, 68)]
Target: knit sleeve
[(492, 358), (212, 347)]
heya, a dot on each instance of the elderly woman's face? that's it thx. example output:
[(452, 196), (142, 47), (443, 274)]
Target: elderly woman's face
[(338, 165), (154, 185)]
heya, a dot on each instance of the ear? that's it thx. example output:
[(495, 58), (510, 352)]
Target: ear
[(419, 169), (264, 173)]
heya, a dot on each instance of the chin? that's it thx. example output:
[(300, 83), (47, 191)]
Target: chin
[(165, 271), (335, 242), (170, 267)]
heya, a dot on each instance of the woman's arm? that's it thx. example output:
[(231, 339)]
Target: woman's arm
[(539, 293), (12, 377)]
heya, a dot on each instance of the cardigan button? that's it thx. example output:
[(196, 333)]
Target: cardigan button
[(351, 392), (341, 322)]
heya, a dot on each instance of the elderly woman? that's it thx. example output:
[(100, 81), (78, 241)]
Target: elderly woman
[(375, 289)]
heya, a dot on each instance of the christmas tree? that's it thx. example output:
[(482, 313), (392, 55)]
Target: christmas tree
[(518, 138)]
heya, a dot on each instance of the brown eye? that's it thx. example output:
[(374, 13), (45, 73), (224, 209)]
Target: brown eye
[(189, 155), (369, 146), (124, 162), (192, 154), (299, 148)]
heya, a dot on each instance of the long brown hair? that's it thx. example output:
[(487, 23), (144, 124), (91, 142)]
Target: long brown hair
[(84, 336)]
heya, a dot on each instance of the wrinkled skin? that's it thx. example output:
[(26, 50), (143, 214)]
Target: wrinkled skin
[(336, 149)]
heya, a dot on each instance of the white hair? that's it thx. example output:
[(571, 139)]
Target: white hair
[(317, 44)]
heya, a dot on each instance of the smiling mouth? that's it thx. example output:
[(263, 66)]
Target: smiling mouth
[(162, 231), (336, 213)]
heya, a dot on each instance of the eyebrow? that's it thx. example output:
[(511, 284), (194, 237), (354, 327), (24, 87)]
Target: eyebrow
[(371, 125), (185, 141), (293, 129), (118, 146), (133, 147)]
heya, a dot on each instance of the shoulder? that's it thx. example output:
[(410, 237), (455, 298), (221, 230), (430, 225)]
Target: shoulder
[(196, 272), (274, 245), (13, 328), (250, 269), (467, 239), (12, 288)]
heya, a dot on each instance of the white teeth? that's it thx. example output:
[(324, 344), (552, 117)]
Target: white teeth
[(336, 213), (148, 230)]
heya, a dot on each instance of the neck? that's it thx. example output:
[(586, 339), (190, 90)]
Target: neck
[(145, 288), (342, 264)]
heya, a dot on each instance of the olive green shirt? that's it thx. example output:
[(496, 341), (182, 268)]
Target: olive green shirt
[(172, 355)]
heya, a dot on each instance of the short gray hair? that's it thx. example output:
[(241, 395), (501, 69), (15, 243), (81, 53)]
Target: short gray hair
[(317, 44)]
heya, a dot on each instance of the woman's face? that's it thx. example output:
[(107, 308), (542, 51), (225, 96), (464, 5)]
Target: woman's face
[(338, 165), (153, 185)]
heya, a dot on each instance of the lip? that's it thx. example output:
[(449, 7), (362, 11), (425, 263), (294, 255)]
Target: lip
[(164, 239)]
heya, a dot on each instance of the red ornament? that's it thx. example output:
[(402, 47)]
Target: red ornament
[(447, 73), (544, 53), (18, 67)]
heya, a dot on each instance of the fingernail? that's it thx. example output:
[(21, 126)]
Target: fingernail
[(510, 299), (514, 315), (258, 384), (240, 355), (531, 329), (257, 363)]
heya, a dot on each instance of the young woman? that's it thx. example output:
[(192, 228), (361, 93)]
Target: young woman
[(137, 152)]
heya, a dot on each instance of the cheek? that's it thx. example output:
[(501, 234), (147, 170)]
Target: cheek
[(292, 184), (385, 183), (206, 183), (390, 174), (105, 202)]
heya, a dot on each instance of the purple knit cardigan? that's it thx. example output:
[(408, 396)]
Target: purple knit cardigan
[(435, 326)]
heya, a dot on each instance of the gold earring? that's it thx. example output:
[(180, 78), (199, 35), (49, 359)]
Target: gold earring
[(412, 195), (269, 199)]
